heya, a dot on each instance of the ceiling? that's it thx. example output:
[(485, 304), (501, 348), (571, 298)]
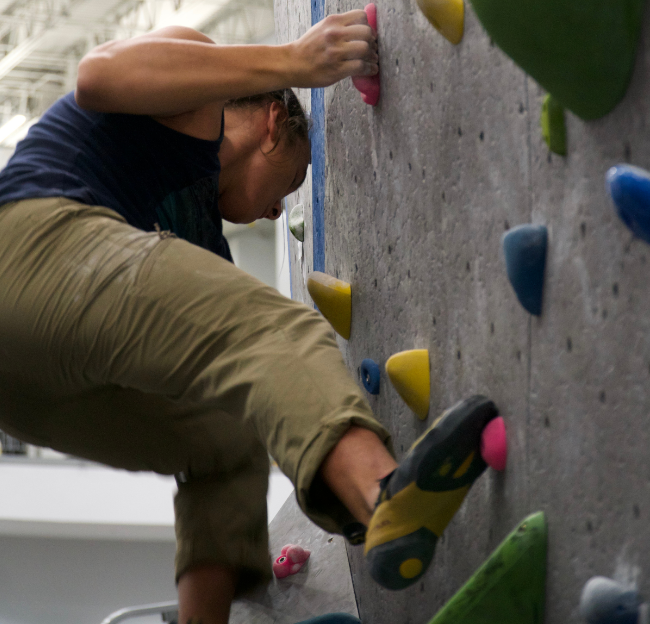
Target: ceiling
[(42, 41)]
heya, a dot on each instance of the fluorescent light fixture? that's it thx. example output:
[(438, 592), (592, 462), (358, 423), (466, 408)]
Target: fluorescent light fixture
[(20, 133), (11, 126)]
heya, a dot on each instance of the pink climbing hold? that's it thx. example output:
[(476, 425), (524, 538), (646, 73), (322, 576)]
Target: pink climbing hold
[(291, 559), (368, 86), (494, 444)]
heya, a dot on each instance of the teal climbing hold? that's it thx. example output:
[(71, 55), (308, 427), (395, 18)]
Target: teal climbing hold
[(604, 601), (581, 51), (553, 126), (524, 248), (297, 222), (629, 187)]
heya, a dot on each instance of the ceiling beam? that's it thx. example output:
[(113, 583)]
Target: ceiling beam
[(54, 12)]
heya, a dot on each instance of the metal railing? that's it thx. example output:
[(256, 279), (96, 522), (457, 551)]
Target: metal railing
[(11, 446), (15, 450), (168, 611)]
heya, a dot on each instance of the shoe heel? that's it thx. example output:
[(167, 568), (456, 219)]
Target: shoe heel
[(401, 562)]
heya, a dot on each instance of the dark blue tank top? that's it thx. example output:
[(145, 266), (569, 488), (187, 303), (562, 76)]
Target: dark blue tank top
[(145, 171)]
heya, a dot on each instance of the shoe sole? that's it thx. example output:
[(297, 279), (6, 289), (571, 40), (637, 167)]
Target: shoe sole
[(425, 492)]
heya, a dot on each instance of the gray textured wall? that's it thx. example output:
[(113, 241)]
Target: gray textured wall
[(419, 192), (322, 586)]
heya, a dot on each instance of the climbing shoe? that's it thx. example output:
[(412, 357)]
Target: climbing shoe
[(419, 498)]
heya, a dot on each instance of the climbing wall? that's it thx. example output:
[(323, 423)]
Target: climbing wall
[(322, 586), (418, 192)]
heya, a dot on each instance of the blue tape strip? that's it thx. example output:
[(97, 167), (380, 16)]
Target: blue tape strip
[(317, 137), (317, 11), (318, 177)]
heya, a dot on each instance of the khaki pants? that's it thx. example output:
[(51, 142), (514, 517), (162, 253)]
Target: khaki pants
[(149, 353)]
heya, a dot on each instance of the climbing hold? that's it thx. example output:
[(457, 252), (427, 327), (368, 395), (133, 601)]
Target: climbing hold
[(604, 601), (581, 51), (370, 375), (553, 126), (629, 187), (524, 247), (409, 373), (368, 86), (334, 299), (494, 444), (291, 559), (509, 586), (446, 16), (297, 222)]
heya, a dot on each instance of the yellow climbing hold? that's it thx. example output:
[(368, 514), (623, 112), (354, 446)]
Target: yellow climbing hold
[(334, 300), (409, 373), (447, 16)]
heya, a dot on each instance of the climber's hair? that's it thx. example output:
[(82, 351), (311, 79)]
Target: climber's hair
[(295, 126)]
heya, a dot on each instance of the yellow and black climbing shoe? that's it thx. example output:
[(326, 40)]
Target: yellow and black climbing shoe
[(420, 497)]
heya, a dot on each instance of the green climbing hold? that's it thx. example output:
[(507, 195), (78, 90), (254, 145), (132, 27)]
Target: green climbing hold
[(553, 126), (297, 222), (510, 586), (581, 51)]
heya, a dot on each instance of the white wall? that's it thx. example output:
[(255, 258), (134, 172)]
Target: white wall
[(79, 541), (253, 249), (5, 155), (84, 500), (261, 250), (68, 581), (282, 269)]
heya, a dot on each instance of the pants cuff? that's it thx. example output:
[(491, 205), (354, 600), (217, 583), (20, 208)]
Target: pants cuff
[(222, 519), (315, 499)]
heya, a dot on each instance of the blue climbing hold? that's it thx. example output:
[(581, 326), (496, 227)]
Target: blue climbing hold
[(370, 375), (629, 187), (604, 601), (524, 247)]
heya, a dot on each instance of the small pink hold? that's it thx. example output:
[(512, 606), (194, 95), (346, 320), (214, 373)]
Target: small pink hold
[(291, 559), (368, 86), (494, 444)]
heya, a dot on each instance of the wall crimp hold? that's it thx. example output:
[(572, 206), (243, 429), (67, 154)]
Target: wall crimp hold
[(604, 601), (524, 248), (553, 125), (409, 372), (297, 222), (629, 188), (334, 299), (370, 375), (446, 16), (369, 86), (494, 444), (509, 586)]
